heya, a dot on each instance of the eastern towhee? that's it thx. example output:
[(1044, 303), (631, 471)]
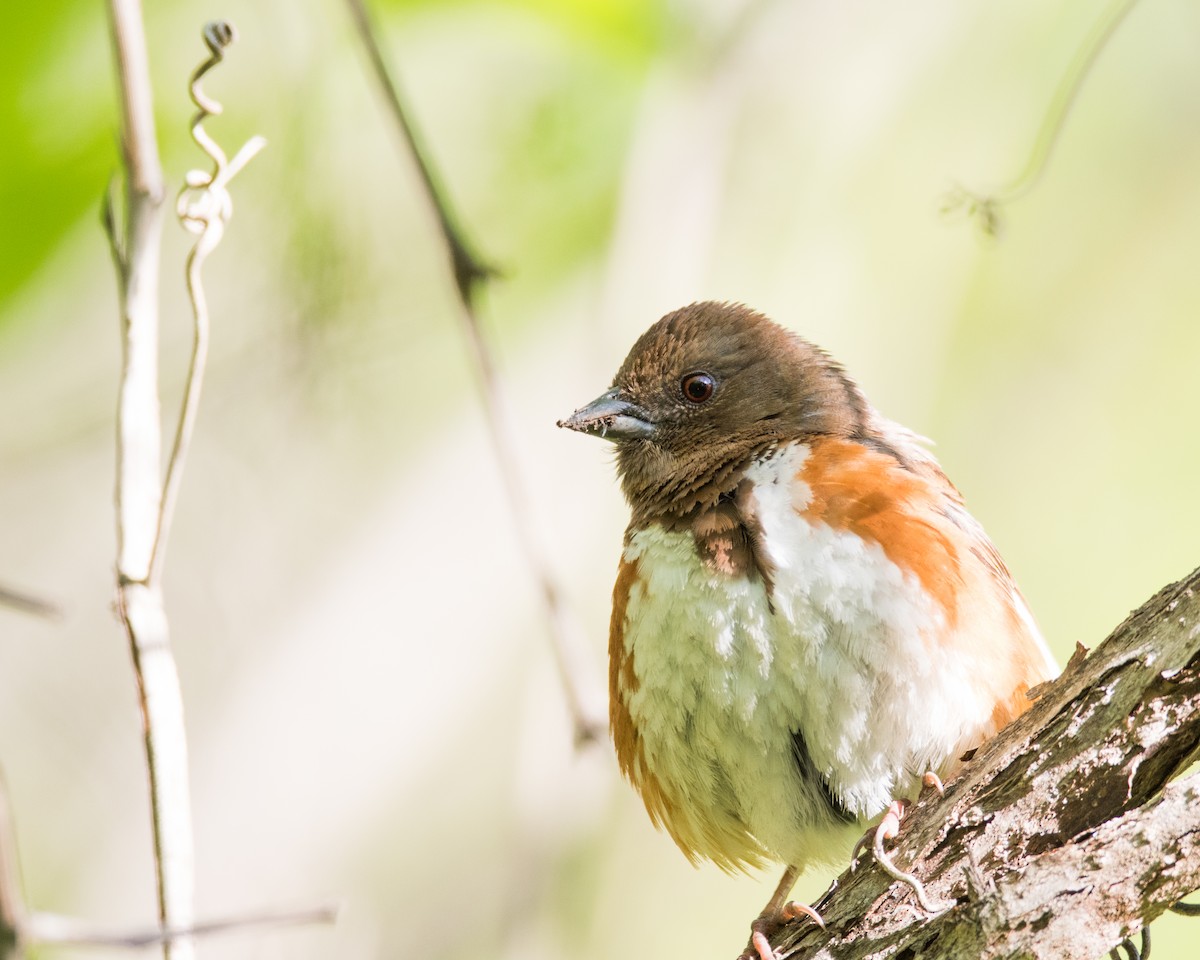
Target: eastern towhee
[(806, 622)]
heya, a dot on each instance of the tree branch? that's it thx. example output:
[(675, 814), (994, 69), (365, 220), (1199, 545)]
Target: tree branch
[(1062, 836)]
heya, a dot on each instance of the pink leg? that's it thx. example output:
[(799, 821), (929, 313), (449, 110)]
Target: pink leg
[(778, 911)]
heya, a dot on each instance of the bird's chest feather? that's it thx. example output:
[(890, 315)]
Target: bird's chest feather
[(758, 714)]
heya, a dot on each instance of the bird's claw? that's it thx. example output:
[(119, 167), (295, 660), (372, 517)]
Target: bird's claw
[(767, 925), (794, 910)]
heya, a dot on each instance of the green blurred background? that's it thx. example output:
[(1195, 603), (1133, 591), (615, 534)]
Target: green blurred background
[(373, 711)]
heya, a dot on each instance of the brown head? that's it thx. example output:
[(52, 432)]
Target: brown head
[(702, 393)]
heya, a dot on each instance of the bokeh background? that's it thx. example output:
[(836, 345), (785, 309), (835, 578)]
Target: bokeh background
[(373, 710)]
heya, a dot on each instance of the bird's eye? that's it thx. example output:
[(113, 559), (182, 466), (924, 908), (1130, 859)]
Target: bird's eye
[(697, 387)]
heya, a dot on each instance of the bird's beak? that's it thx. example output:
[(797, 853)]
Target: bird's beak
[(612, 417)]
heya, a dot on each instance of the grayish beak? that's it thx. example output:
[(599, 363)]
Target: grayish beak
[(611, 417)]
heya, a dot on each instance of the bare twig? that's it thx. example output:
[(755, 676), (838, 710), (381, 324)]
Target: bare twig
[(139, 489), (985, 207), (12, 901), (51, 929), (21, 928), (204, 206), (27, 603), (469, 272)]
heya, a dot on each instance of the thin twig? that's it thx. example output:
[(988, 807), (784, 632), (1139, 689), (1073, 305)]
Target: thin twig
[(985, 207), (27, 603), (50, 929), (12, 900), (204, 206), (469, 272), (20, 928), (139, 485), (108, 220)]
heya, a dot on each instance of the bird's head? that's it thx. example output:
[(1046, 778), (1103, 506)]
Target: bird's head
[(706, 389)]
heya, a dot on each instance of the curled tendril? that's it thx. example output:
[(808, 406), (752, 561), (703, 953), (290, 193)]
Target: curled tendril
[(204, 204), (219, 34)]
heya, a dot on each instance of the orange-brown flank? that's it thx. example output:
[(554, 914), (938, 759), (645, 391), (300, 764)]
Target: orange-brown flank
[(622, 683), (870, 494)]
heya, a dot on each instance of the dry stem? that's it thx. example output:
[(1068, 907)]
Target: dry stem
[(469, 272), (139, 488)]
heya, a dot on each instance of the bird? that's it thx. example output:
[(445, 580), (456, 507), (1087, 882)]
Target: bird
[(807, 624)]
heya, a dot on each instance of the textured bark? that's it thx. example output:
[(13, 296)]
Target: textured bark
[(1062, 836)]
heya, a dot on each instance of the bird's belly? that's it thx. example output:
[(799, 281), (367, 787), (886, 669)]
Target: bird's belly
[(726, 683), (715, 723)]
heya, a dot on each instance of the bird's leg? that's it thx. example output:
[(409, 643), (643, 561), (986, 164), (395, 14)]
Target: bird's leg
[(778, 911)]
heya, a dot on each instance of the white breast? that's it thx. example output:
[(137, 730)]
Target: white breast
[(845, 659)]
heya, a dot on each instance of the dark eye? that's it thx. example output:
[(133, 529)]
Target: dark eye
[(697, 387)]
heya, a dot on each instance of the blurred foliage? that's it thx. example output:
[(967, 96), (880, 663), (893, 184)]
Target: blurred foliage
[(371, 705), (58, 131)]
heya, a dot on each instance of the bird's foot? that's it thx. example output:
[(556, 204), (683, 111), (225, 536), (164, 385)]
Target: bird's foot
[(768, 924), (895, 813), (889, 829)]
